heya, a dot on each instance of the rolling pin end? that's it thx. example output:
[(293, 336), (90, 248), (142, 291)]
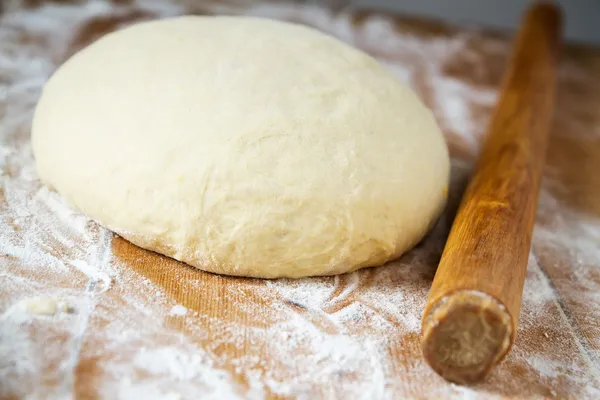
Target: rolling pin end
[(465, 334)]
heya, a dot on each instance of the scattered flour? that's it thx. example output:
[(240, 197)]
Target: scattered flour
[(178, 310), (75, 318)]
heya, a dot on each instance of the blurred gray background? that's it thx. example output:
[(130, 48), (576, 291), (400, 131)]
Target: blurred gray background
[(582, 16)]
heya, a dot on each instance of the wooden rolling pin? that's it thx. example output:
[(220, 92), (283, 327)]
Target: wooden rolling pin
[(471, 315)]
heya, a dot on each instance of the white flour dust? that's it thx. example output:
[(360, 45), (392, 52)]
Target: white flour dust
[(77, 321), (178, 310)]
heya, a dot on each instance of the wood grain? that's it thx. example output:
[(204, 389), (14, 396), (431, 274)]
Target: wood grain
[(471, 316)]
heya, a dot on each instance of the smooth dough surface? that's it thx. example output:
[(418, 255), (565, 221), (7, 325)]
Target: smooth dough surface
[(243, 146)]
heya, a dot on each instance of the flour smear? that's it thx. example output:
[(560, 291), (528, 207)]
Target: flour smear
[(78, 321)]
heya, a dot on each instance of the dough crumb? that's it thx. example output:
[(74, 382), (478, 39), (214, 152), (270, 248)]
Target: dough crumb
[(46, 306)]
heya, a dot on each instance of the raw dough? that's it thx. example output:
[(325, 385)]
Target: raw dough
[(45, 306), (243, 146)]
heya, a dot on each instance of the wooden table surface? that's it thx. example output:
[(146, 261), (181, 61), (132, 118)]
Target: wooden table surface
[(126, 323)]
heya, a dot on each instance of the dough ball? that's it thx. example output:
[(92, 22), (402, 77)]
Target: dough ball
[(243, 146)]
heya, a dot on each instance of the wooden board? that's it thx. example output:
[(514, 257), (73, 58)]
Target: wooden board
[(128, 323)]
